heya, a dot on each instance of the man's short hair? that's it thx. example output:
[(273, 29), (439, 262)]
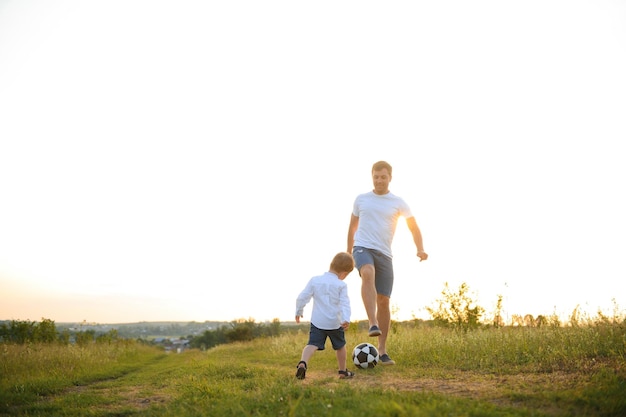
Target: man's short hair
[(381, 165)]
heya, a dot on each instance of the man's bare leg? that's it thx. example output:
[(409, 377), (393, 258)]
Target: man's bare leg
[(383, 314), (384, 320), (368, 293)]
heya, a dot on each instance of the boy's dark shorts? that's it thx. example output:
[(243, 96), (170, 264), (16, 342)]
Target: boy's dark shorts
[(317, 337), (383, 267)]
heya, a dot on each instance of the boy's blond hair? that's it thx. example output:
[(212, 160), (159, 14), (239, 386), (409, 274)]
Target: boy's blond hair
[(342, 262)]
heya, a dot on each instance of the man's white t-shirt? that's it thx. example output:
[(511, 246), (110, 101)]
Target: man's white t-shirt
[(378, 217), (331, 304)]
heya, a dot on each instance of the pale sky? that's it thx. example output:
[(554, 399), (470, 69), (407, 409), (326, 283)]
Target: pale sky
[(165, 160)]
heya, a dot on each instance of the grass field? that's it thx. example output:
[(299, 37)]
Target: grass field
[(553, 371)]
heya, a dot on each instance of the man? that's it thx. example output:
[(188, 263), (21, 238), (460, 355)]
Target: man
[(372, 227)]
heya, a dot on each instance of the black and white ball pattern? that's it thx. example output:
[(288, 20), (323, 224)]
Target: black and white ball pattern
[(365, 356)]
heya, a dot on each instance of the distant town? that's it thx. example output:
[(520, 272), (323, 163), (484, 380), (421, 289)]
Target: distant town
[(171, 335), (146, 330)]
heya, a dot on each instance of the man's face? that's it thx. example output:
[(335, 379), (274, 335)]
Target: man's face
[(381, 181)]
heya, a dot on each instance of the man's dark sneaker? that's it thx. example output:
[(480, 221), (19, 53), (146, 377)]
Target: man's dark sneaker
[(374, 331), (386, 360)]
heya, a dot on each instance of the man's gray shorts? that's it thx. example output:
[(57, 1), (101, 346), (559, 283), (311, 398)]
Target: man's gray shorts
[(383, 267)]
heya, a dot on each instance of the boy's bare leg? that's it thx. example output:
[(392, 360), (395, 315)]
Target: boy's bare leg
[(342, 358), (307, 352)]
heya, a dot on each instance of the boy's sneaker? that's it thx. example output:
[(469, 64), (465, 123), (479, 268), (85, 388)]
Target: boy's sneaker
[(386, 360), (301, 372), (374, 331), (346, 374)]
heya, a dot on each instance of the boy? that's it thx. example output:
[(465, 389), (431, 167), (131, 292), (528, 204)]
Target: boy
[(331, 313)]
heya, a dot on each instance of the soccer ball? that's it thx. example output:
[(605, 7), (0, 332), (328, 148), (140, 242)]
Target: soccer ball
[(365, 356)]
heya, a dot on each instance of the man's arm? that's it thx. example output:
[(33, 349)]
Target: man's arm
[(354, 224), (417, 238)]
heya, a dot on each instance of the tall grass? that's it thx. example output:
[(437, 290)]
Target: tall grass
[(30, 371), (552, 371), (511, 349)]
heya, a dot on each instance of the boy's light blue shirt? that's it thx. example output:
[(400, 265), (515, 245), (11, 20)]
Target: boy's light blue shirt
[(331, 304)]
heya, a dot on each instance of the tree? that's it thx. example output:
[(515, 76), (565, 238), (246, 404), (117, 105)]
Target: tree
[(45, 331), (242, 330), (85, 337), (21, 331), (456, 309)]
